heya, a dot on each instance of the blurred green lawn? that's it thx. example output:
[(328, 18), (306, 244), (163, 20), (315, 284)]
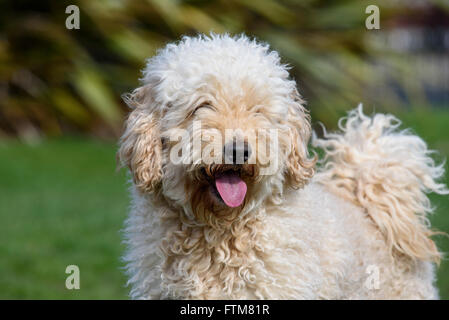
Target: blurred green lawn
[(63, 203)]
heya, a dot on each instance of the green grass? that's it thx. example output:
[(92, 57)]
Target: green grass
[(63, 203)]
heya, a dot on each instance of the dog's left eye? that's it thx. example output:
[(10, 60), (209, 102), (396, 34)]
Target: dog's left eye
[(203, 105)]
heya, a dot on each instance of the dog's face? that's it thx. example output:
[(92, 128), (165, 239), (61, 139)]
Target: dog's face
[(217, 128)]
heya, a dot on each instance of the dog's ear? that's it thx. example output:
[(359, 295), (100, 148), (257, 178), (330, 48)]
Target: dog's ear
[(140, 145), (299, 167)]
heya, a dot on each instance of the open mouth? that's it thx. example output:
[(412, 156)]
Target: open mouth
[(228, 186)]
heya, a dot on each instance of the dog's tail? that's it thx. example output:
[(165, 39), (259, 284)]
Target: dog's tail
[(388, 172)]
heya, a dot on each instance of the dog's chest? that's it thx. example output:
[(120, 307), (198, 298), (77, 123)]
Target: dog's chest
[(267, 259)]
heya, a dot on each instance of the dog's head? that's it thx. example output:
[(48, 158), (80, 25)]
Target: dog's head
[(217, 128)]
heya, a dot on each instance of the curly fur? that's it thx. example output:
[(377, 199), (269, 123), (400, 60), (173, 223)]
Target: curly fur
[(297, 235), (388, 172)]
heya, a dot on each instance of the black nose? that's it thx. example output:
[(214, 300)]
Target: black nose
[(236, 152)]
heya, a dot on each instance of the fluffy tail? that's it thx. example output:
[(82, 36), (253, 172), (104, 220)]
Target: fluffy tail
[(388, 172)]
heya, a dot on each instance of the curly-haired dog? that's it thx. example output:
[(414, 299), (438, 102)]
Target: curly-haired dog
[(353, 228)]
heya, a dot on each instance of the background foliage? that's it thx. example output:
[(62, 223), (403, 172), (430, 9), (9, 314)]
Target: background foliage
[(61, 202), (54, 80)]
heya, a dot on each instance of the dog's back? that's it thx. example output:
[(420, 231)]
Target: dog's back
[(387, 173), (335, 250)]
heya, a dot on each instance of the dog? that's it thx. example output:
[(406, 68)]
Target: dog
[(351, 225)]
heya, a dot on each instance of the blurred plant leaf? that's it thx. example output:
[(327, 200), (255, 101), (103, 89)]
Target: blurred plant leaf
[(133, 45), (70, 107), (96, 93), (272, 10), (199, 20)]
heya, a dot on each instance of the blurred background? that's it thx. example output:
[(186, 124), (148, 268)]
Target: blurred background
[(63, 202)]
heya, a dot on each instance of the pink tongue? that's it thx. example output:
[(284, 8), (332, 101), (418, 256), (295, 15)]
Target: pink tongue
[(232, 189)]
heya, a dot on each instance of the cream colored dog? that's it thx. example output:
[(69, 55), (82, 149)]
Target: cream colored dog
[(354, 227)]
